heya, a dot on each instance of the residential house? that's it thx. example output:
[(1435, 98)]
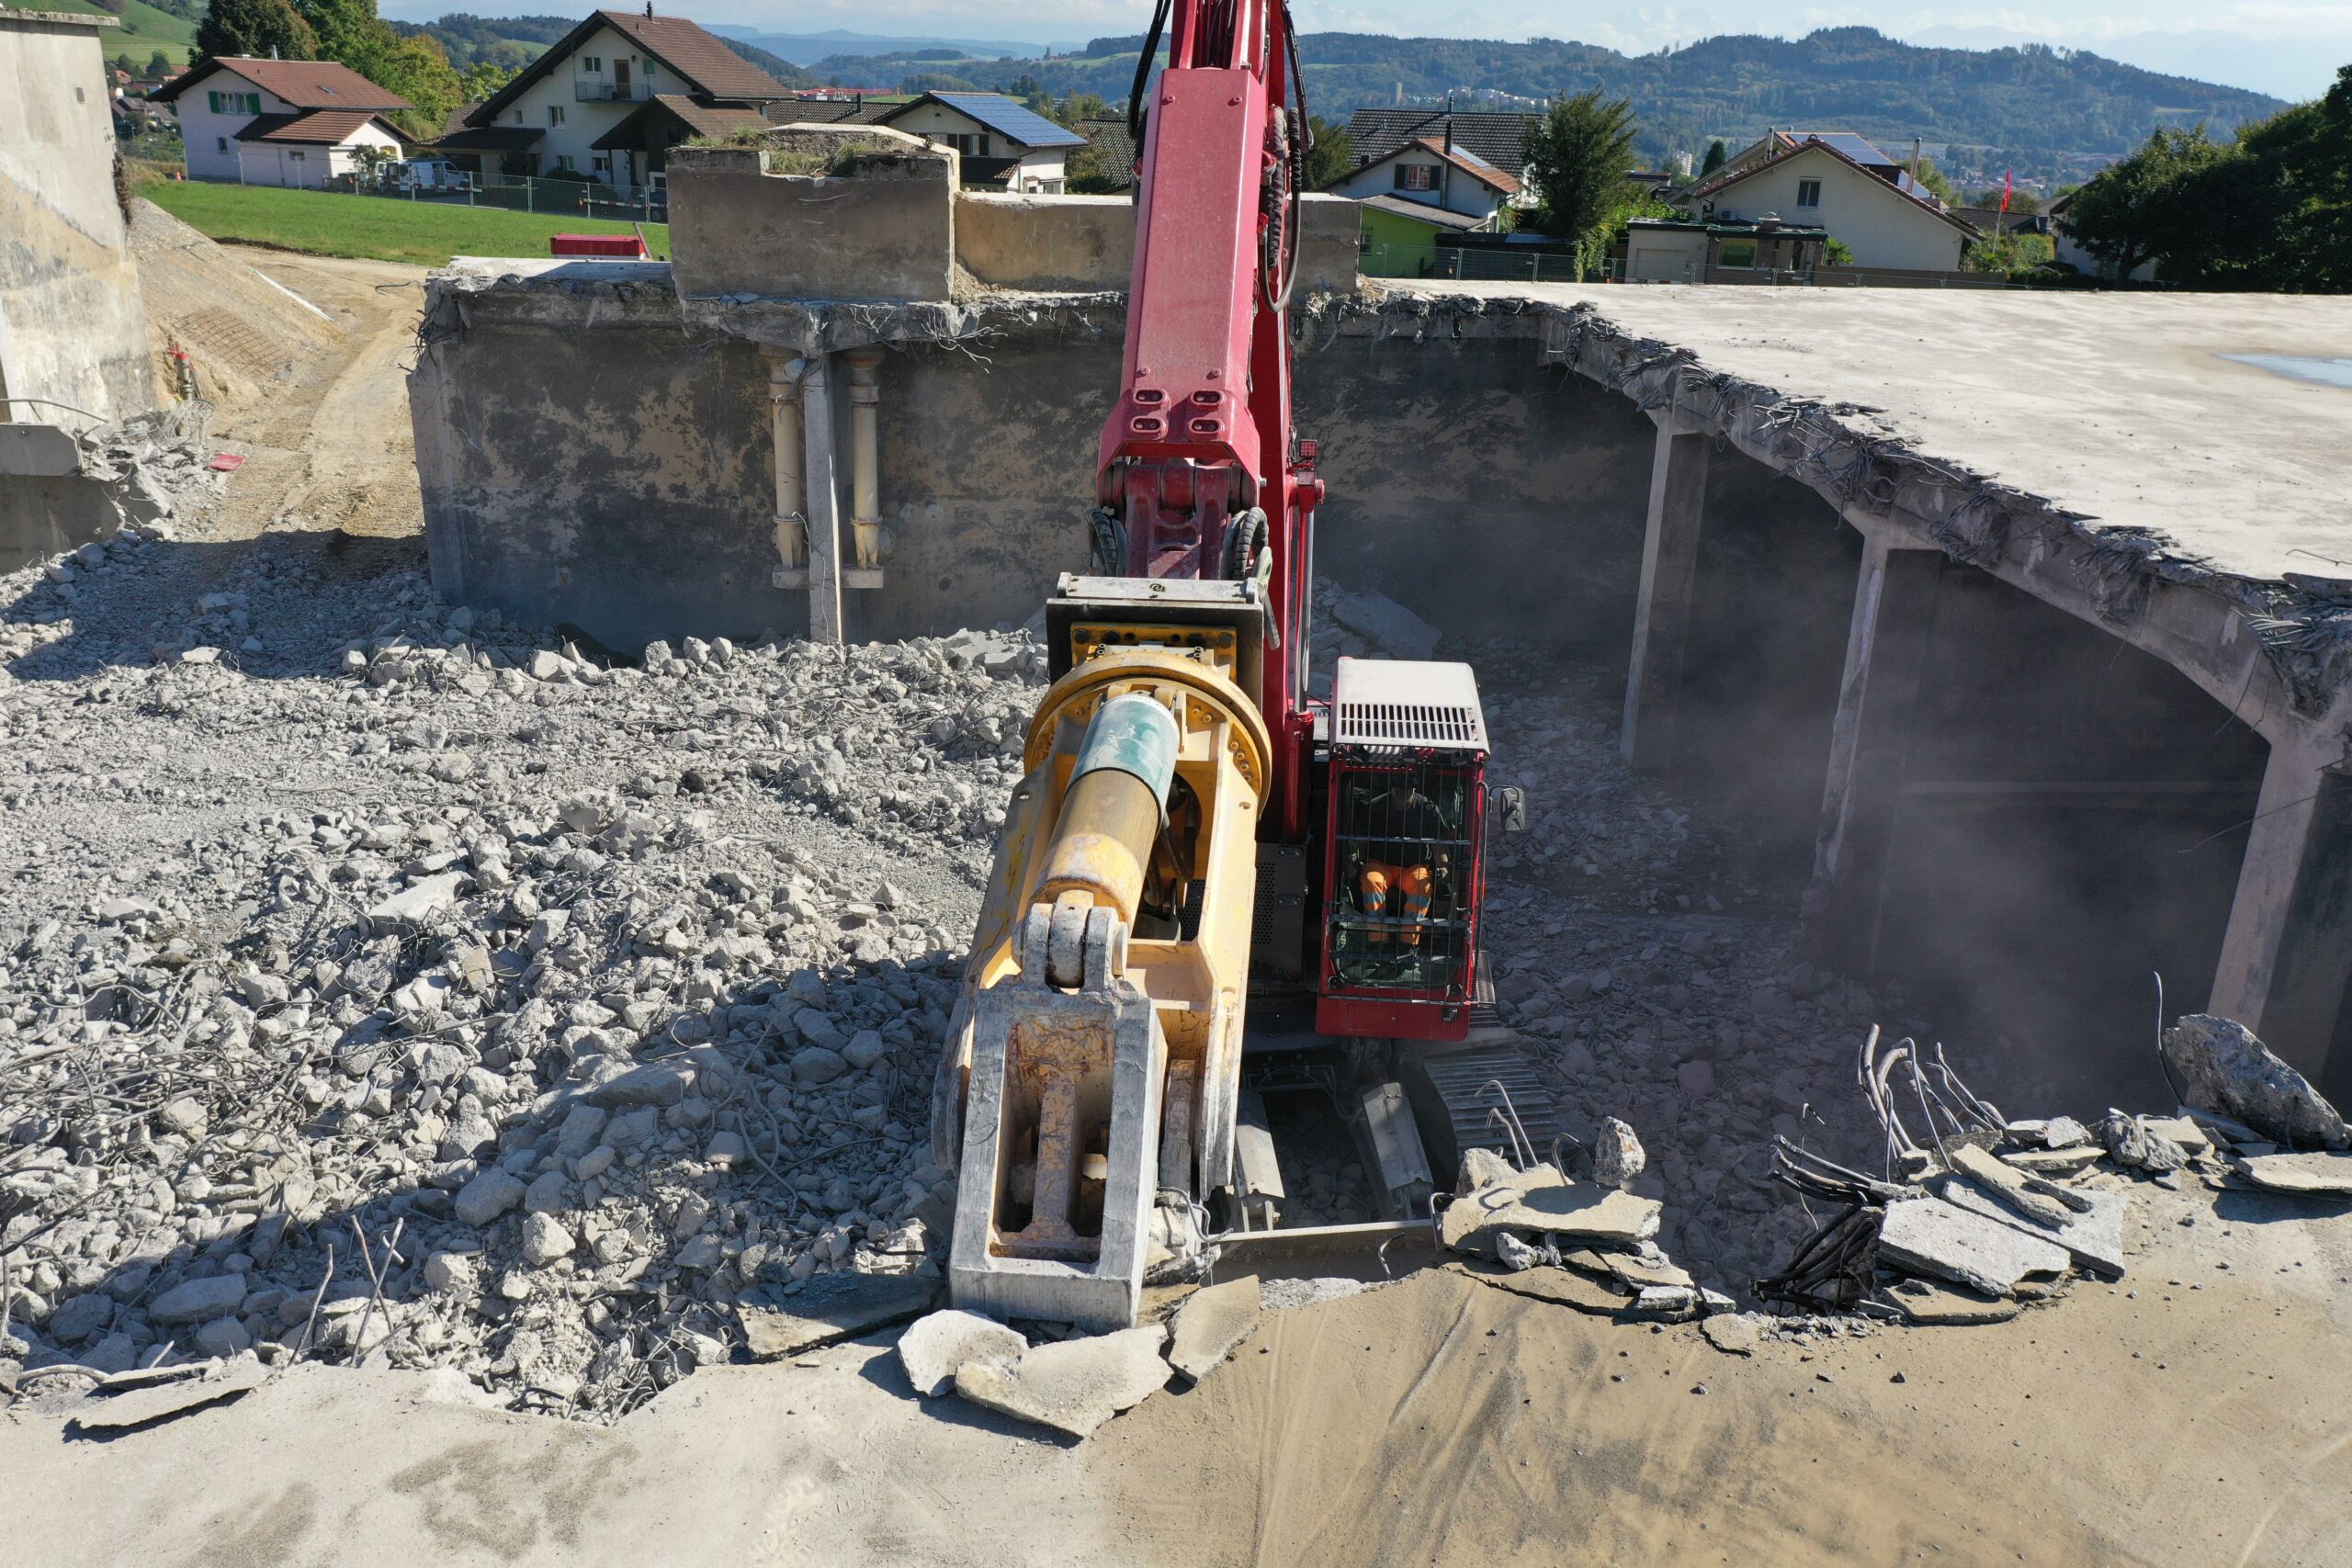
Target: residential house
[(1498, 140), (279, 122), (999, 141), (1400, 237), (1835, 180), (1431, 173), (566, 111)]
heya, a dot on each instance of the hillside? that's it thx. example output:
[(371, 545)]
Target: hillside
[(145, 29), (2041, 111)]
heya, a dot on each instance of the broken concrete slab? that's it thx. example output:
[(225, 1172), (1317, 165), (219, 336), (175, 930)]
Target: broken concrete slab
[(835, 1307), (1733, 1332), (1073, 1386), (1599, 1213), (1924, 1300), (139, 1406), (417, 904), (2073, 1158), (2224, 1067), (1931, 1236), (2093, 1237), (2014, 1186), (2328, 1174), (2181, 1129), (1641, 1274), (1561, 1287), (935, 1348), (1381, 620), (2052, 1133), (1212, 1324)]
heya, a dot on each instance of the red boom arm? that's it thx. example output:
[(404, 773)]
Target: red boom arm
[(1199, 444)]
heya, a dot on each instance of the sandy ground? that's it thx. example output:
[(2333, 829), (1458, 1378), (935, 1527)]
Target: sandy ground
[(2194, 1413), (330, 450)]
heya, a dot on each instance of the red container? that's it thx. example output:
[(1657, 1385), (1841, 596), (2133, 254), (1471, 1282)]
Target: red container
[(627, 247)]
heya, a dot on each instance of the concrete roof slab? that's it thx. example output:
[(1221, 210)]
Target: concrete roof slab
[(2122, 407)]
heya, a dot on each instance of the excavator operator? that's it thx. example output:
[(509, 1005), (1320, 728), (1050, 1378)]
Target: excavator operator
[(1394, 833)]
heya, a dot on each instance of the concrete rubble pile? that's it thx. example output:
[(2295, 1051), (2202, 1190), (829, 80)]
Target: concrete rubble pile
[(481, 1007), (156, 465), (1981, 1215)]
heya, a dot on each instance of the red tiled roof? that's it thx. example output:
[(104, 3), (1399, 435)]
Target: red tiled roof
[(704, 64), (1470, 163), (315, 128), (305, 84)]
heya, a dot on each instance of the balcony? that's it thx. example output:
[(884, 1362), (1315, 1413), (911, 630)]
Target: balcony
[(589, 90)]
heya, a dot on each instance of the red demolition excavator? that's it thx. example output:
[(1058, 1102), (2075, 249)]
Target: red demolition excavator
[(1196, 836)]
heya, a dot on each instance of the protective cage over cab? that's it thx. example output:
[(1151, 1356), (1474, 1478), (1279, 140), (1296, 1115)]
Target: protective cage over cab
[(1402, 867)]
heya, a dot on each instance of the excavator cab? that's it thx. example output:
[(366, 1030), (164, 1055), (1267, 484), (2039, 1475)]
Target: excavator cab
[(1402, 867)]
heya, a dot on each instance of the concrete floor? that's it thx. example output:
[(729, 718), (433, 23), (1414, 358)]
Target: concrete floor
[(2192, 1414), (2119, 407)]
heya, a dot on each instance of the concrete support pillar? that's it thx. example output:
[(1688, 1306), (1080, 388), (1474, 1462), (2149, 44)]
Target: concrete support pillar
[(1886, 654), (865, 459), (791, 513), (2286, 955), (822, 501), (1662, 615)]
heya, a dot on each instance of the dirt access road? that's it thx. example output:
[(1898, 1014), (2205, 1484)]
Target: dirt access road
[(2194, 1413), (331, 448)]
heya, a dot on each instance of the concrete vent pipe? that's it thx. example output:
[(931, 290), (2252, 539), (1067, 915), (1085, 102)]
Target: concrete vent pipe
[(864, 461), (783, 420)]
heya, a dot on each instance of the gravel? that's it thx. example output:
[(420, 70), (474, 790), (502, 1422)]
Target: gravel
[(386, 983)]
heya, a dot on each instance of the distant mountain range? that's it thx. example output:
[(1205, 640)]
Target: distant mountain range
[(2292, 65), (2048, 114)]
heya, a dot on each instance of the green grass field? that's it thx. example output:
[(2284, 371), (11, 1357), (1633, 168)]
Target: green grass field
[(144, 28), (373, 227)]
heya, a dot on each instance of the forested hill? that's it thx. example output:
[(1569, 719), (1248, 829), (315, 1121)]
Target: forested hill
[(2030, 100)]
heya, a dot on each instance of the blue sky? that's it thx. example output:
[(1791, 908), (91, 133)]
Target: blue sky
[(2288, 47)]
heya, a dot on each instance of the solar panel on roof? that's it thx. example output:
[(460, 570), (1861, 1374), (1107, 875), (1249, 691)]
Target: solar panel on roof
[(1853, 146), (1007, 118)]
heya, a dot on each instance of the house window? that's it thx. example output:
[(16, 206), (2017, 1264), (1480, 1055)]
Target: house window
[(555, 114), (969, 146), (1808, 192), (600, 163), (297, 155), (563, 162), (1417, 176), (234, 103), (518, 116), (592, 64), (221, 144)]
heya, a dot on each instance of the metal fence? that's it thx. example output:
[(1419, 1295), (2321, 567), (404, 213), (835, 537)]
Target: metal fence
[(1514, 264), (515, 193)]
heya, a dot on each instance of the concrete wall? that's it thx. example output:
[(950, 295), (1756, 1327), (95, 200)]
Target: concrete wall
[(1084, 243), (618, 476), (884, 230), (72, 327)]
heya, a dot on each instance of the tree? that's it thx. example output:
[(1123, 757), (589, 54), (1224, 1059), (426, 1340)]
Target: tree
[(482, 78), (1577, 154), (1934, 180), (1717, 155), (159, 65), (1332, 158), (122, 63), (256, 29), (2141, 207)]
